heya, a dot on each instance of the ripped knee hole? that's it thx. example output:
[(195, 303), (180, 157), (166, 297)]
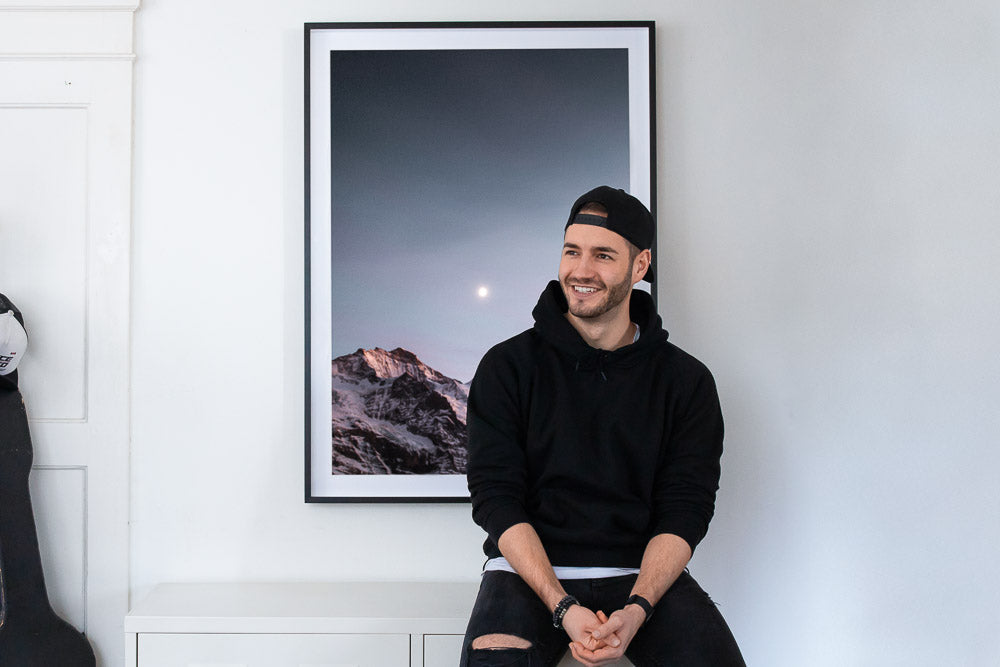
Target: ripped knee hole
[(499, 641)]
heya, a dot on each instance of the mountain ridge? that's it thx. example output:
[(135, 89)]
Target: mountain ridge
[(393, 414)]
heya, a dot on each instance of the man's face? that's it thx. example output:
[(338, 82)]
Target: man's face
[(595, 272)]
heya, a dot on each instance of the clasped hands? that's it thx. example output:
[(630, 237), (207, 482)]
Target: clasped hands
[(599, 639)]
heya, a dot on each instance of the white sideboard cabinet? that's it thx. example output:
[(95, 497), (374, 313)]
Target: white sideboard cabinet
[(355, 624), (298, 625)]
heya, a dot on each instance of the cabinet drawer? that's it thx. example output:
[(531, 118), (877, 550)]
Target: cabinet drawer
[(274, 650), (442, 650)]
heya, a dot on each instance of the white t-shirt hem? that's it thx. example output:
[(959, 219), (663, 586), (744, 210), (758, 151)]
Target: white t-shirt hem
[(564, 571)]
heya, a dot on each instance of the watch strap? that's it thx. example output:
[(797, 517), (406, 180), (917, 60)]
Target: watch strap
[(642, 602)]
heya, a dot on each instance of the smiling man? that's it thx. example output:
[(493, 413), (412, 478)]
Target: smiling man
[(594, 448)]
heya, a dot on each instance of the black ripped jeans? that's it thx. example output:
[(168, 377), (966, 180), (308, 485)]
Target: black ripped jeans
[(686, 629)]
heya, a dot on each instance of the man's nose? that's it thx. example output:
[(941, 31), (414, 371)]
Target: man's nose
[(584, 267)]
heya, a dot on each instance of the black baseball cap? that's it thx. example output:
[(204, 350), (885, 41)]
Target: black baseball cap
[(627, 216)]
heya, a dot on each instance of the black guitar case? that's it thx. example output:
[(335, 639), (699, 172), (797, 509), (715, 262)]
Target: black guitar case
[(31, 634)]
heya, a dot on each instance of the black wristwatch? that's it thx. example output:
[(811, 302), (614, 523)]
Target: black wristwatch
[(561, 609), (642, 602)]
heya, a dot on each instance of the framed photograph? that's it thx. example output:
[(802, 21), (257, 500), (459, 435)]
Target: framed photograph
[(441, 163)]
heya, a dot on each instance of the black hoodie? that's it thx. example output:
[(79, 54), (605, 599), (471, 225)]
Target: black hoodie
[(599, 451)]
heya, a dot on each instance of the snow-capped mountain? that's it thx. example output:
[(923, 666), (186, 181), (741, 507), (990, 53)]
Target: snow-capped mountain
[(393, 414)]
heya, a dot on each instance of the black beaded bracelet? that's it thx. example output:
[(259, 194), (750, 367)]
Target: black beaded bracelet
[(561, 609), (642, 602)]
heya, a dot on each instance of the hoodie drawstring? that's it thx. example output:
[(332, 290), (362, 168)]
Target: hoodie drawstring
[(600, 365)]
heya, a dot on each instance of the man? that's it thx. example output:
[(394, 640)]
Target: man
[(594, 449)]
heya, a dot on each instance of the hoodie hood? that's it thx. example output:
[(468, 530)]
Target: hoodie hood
[(552, 325)]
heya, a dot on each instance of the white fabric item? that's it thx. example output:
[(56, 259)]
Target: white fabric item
[(564, 571), (13, 342)]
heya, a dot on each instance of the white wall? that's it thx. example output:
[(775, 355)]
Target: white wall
[(829, 184)]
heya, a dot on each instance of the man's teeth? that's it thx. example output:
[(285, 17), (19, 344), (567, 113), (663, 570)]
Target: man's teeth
[(584, 290)]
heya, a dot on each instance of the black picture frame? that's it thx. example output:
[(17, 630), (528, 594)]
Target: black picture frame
[(338, 58)]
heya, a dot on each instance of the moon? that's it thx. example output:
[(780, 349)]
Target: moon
[(483, 291)]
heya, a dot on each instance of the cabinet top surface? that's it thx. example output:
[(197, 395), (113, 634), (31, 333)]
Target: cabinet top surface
[(302, 607)]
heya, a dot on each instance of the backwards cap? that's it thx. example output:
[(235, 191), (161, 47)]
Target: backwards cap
[(627, 216)]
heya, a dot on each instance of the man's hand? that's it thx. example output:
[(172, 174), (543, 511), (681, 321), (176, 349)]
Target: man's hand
[(608, 641), (580, 624)]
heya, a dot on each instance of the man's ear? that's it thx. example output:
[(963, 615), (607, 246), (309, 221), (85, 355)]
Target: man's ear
[(641, 265)]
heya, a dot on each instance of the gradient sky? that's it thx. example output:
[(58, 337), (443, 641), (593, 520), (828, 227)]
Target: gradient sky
[(454, 170)]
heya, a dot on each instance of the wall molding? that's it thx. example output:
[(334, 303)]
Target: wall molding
[(66, 33), (67, 6), (67, 56)]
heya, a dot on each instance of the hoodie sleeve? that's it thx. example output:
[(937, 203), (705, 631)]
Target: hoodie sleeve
[(688, 473), (496, 463)]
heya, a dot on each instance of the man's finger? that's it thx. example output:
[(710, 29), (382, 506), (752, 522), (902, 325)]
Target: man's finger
[(606, 654), (585, 657), (578, 654), (609, 628), (601, 656)]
